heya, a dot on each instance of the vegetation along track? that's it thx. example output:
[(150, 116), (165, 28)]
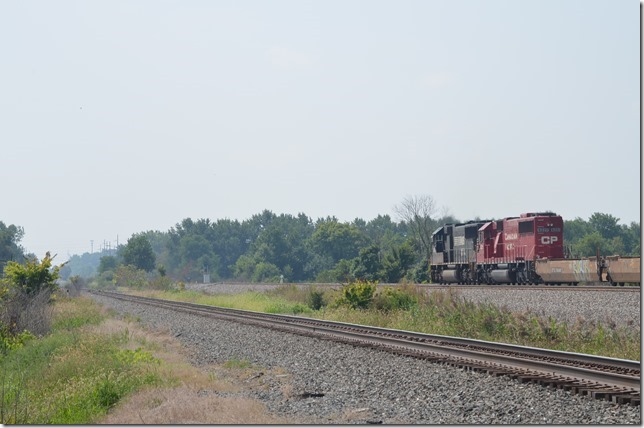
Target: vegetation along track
[(599, 377)]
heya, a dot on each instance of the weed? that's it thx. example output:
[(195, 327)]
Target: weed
[(316, 300), (236, 363)]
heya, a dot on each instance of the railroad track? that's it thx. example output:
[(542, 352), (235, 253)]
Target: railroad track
[(598, 377)]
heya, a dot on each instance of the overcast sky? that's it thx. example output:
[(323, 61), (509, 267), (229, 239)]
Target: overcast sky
[(118, 117)]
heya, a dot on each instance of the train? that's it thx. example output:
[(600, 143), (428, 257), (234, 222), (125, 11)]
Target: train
[(524, 250)]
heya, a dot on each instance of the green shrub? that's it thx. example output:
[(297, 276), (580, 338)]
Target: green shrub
[(161, 283), (33, 275), (9, 342), (391, 299), (129, 276), (357, 294), (315, 299)]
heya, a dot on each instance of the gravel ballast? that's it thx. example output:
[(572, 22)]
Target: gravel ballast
[(570, 306), (327, 382)]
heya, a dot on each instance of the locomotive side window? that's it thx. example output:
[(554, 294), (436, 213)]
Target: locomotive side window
[(526, 226)]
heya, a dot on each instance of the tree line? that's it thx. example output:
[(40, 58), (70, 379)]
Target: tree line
[(270, 247)]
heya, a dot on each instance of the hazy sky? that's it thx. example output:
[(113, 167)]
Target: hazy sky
[(118, 117)]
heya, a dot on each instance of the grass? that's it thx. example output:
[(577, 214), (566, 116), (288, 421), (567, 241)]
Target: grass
[(236, 363), (444, 313), (270, 302), (94, 368), (73, 374)]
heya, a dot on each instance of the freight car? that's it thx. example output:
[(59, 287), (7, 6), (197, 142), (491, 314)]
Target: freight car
[(518, 250)]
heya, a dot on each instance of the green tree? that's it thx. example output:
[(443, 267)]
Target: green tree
[(107, 263), (337, 240), (602, 231), (397, 262), (265, 272), (230, 241), (633, 238), (282, 243), (244, 267), (10, 237), (368, 266), (574, 230), (138, 253), (588, 245), (605, 224), (344, 271), (385, 233)]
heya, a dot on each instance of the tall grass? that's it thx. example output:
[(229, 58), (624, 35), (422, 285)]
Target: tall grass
[(73, 375)]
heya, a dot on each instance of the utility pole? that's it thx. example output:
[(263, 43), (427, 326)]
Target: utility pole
[(92, 242)]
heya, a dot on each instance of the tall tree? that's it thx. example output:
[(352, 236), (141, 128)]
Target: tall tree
[(106, 263), (367, 265), (605, 224), (138, 253), (10, 249), (337, 240), (282, 244), (397, 262)]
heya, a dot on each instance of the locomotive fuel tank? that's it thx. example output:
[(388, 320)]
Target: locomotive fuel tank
[(450, 275), (502, 275)]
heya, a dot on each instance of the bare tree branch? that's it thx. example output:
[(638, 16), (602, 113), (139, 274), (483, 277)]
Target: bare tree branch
[(417, 213)]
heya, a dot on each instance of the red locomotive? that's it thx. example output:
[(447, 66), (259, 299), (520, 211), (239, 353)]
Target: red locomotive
[(519, 250), (501, 251)]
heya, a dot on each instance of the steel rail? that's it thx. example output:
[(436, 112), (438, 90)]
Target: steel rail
[(603, 377)]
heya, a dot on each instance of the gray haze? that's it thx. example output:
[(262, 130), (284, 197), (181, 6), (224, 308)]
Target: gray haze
[(118, 117)]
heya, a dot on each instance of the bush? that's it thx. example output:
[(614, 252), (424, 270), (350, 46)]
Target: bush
[(395, 298), (10, 342), (21, 311), (161, 283), (33, 276), (316, 300), (358, 294), (129, 276)]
